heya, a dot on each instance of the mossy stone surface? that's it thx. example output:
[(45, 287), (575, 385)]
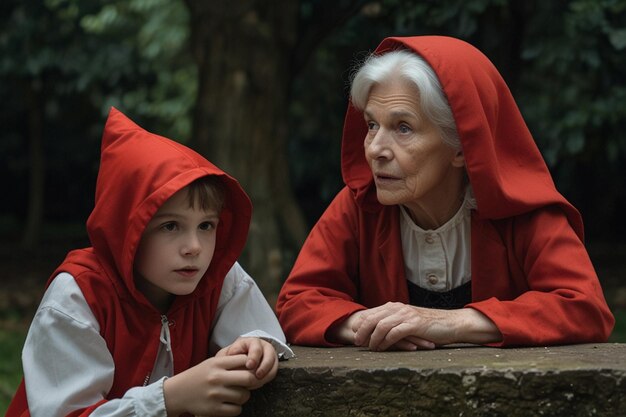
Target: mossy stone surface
[(576, 380)]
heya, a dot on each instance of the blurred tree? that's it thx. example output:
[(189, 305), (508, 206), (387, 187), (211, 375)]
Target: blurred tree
[(248, 53)]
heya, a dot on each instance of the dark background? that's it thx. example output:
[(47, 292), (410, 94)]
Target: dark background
[(261, 90)]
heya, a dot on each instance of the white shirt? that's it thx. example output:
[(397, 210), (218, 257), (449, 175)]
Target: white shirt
[(438, 260), (67, 365)]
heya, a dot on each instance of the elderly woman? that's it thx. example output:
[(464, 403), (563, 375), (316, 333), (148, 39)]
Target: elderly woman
[(449, 229)]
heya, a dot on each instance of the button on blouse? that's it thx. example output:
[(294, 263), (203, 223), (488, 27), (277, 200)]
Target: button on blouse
[(439, 259)]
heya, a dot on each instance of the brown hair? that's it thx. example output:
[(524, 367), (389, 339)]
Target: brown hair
[(207, 193)]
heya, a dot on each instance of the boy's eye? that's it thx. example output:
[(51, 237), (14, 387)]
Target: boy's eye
[(207, 226), (169, 227)]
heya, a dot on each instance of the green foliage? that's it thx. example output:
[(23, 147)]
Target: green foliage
[(11, 342), (72, 60), (157, 31), (44, 43), (619, 332), (575, 82), (131, 54), (572, 92)]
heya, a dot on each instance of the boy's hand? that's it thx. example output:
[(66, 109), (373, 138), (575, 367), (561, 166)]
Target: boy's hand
[(215, 387), (261, 357)]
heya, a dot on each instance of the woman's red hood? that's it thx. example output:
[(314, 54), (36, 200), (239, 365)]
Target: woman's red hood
[(138, 172), (507, 172)]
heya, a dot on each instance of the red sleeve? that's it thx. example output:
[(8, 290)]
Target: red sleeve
[(323, 284), (563, 302), (19, 405)]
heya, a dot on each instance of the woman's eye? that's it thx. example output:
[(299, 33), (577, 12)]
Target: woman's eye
[(404, 129), (372, 126)]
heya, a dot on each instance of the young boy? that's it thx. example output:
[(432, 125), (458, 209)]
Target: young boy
[(126, 326)]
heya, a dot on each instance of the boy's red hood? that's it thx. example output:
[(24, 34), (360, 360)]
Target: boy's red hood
[(138, 172), (507, 172)]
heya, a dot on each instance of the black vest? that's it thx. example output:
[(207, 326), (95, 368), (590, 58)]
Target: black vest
[(449, 300)]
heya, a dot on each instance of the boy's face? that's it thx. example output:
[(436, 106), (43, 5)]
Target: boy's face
[(175, 250)]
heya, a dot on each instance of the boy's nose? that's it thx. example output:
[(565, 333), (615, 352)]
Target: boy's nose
[(191, 246)]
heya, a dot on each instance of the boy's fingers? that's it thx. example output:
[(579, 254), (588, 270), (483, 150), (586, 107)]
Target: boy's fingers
[(242, 378), (232, 361), (235, 395), (260, 355), (236, 349), (255, 354), (266, 362), (222, 352), (239, 346)]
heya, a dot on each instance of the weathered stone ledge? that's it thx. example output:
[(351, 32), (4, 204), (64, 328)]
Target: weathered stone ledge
[(576, 380)]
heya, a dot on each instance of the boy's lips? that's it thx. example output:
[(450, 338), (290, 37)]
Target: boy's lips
[(187, 271)]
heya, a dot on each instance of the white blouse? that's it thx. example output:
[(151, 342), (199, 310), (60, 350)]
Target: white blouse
[(67, 365), (438, 260)]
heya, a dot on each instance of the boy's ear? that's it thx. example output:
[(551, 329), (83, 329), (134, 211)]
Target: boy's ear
[(459, 160)]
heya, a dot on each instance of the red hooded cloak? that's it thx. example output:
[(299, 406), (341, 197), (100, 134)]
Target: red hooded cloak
[(531, 274), (138, 172)]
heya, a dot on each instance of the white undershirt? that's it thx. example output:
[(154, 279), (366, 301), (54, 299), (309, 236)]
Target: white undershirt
[(67, 365), (438, 260)]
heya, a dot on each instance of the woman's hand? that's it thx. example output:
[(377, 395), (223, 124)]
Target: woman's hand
[(344, 332), (405, 327)]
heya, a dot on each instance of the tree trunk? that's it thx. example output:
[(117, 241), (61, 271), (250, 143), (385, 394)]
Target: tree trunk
[(34, 215), (243, 51)]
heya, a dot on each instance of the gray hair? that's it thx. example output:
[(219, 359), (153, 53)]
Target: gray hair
[(414, 69)]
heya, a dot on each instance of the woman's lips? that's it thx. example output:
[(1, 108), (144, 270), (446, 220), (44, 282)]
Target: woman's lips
[(384, 178)]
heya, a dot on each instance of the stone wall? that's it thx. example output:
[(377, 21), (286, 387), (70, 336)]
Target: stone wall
[(576, 380)]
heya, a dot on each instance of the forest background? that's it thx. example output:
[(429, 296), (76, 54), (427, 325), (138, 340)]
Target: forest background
[(260, 89)]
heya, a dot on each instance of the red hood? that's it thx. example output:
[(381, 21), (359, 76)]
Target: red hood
[(507, 172), (138, 172)]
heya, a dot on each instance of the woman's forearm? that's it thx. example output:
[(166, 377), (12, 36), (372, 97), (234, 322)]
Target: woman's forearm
[(472, 326)]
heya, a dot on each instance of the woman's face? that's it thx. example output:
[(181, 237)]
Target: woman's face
[(410, 162)]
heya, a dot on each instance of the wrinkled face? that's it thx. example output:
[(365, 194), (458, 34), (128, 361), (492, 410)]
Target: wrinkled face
[(175, 251), (410, 162)]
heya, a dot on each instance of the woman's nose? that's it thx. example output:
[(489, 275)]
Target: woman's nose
[(378, 146)]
